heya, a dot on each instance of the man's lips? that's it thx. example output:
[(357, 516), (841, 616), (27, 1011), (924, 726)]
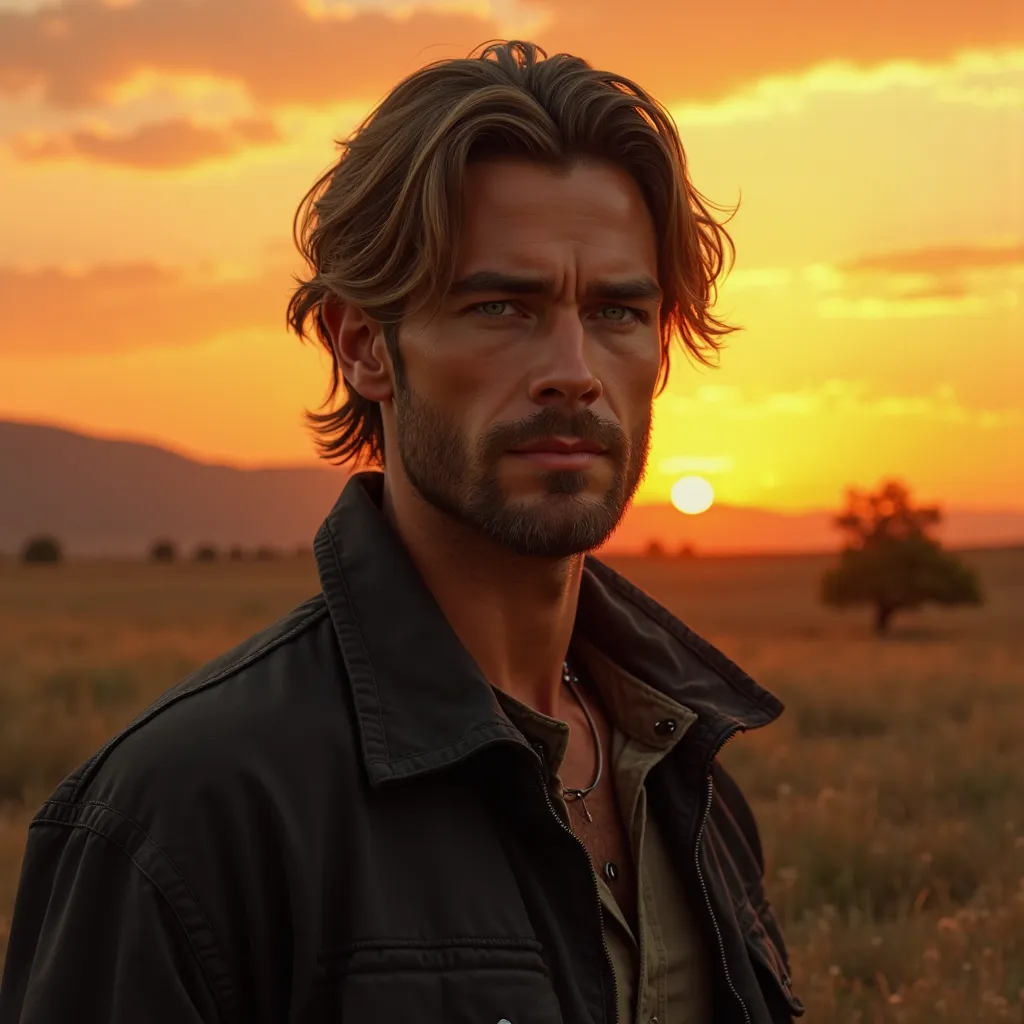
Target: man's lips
[(560, 446)]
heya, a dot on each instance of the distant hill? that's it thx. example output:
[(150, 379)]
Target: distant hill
[(104, 497), (111, 497), (727, 529)]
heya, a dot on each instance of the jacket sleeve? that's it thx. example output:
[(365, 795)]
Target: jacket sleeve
[(93, 939)]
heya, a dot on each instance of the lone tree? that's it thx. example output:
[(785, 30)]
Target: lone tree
[(42, 549), (890, 561)]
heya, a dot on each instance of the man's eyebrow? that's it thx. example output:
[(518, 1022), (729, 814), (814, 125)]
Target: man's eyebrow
[(490, 281), (494, 281), (634, 289)]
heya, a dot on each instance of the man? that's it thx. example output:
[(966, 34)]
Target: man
[(474, 780)]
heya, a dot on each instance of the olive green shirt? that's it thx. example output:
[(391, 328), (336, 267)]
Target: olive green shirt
[(670, 984)]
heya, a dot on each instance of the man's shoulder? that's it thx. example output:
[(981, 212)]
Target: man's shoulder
[(270, 704)]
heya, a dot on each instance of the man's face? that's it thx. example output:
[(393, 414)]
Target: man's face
[(549, 339)]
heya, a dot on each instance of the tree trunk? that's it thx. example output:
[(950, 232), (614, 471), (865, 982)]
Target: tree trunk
[(883, 613)]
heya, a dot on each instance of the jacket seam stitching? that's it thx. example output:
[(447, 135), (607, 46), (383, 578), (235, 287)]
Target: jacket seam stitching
[(362, 646), (152, 881), (156, 846), (202, 684)]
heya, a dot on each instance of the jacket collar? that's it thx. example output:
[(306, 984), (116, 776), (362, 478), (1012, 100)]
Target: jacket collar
[(420, 699)]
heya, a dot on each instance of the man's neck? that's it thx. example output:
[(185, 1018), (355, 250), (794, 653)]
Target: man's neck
[(513, 613)]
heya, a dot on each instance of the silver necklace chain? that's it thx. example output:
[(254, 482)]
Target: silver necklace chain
[(571, 681)]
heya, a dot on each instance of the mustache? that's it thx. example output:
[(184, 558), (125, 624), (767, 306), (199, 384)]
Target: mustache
[(584, 424)]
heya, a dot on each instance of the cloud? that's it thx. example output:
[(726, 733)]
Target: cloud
[(158, 145), (838, 396), (79, 52), (77, 55), (116, 308), (938, 259), (937, 281)]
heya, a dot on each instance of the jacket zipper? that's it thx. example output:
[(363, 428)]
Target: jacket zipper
[(704, 887), (597, 893)]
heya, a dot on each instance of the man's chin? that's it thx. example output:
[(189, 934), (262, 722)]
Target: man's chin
[(548, 532)]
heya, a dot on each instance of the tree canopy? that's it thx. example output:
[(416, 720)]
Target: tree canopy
[(890, 560)]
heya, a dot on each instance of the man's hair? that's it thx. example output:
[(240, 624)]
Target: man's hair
[(382, 225)]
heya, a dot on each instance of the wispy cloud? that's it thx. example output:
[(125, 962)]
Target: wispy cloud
[(286, 53), (132, 306), (981, 78), (841, 397), (160, 145), (78, 54), (939, 281), (945, 259), (936, 281)]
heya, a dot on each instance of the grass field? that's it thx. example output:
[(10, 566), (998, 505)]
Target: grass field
[(890, 795)]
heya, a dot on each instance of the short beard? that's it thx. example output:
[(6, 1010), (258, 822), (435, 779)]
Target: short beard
[(464, 485)]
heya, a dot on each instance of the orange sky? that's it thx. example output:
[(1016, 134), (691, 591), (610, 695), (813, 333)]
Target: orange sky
[(152, 154)]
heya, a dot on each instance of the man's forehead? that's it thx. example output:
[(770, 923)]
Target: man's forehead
[(588, 226)]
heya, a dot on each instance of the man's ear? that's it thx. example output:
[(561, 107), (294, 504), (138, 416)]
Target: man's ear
[(360, 349)]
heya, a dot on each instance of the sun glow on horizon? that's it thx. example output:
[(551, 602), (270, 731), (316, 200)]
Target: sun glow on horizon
[(692, 495)]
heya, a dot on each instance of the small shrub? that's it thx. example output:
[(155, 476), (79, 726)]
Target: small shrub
[(205, 553), (42, 550), (163, 551)]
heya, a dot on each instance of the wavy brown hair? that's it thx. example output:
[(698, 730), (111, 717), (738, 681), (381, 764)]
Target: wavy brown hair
[(382, 224)]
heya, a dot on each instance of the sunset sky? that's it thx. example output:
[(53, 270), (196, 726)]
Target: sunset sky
[(152, 154)]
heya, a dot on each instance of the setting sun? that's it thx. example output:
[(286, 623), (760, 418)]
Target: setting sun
[(692, 495)]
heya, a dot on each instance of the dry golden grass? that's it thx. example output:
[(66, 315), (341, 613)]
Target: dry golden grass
[(890, 795)]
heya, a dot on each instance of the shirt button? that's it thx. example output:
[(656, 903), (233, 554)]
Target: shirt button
[(665, 727), (611, 872)]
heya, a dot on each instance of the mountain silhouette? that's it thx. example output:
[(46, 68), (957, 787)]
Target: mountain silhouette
[(110, 497), (115, 497)]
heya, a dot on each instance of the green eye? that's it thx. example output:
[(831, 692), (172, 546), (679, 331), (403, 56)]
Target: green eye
[(495, 308), (623, 315)]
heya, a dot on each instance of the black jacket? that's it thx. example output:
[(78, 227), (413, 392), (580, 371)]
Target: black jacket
[(334, 823)]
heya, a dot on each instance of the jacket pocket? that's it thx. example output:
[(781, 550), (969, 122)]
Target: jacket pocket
[(437, 984)]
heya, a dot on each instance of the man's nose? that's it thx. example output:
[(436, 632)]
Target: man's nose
[(565, 373)]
